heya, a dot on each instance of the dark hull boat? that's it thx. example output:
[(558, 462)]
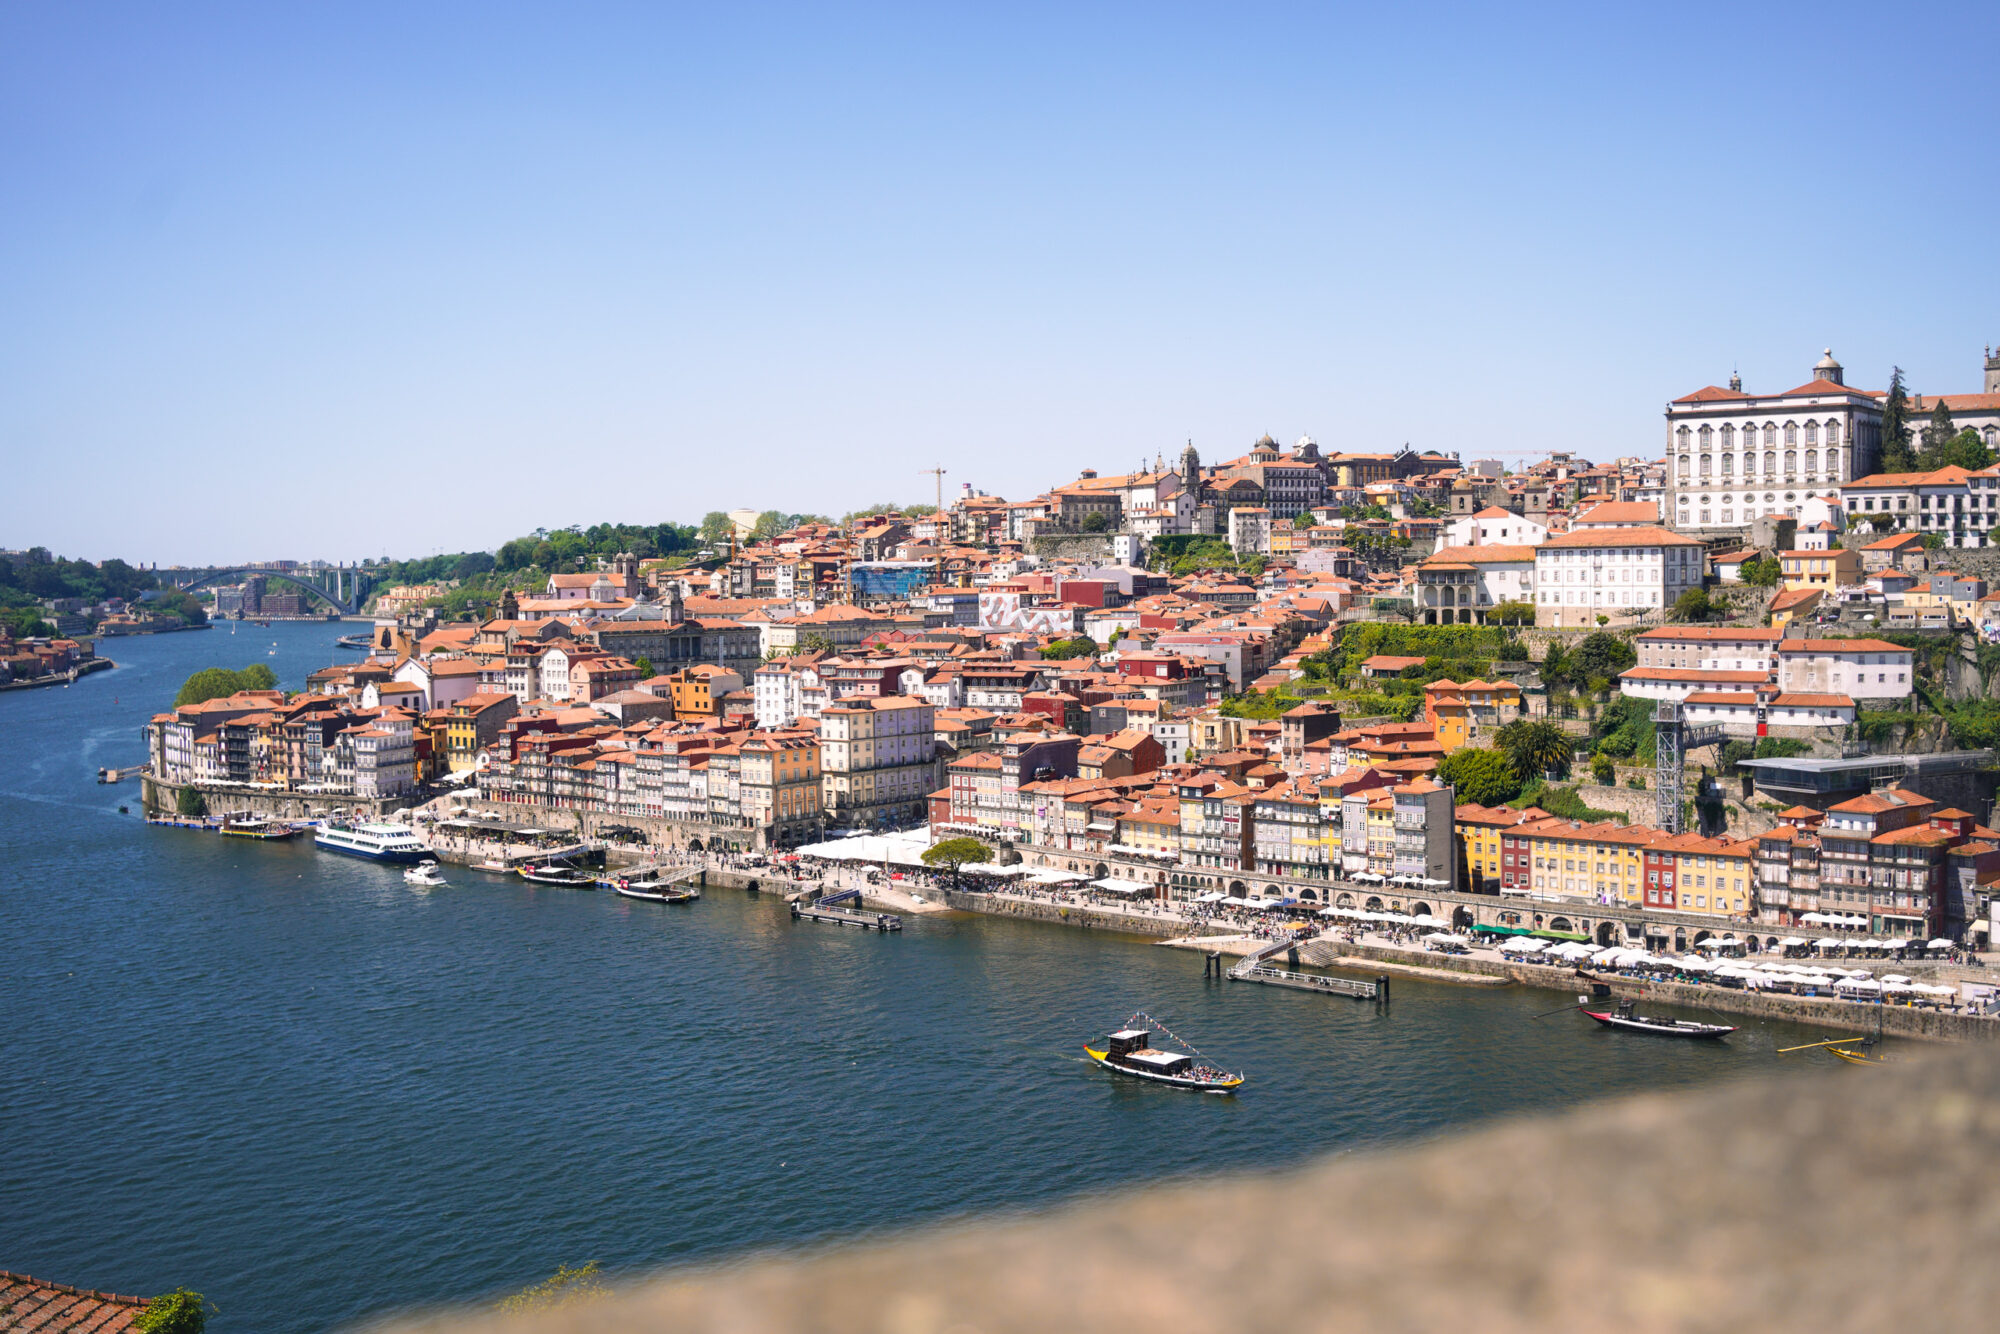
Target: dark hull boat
[(1626, 1019), (1129, 1051)]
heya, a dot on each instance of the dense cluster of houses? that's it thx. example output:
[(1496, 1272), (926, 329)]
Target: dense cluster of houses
[(39, 659)]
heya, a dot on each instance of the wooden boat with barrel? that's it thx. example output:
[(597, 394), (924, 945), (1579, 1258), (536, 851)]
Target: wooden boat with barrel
[(1130, 1051), (656, 891), (1625, 1018), (261, 827), (555, 873)]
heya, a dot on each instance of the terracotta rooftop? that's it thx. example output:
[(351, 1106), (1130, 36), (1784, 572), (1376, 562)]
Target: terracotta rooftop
[(51, 1308)]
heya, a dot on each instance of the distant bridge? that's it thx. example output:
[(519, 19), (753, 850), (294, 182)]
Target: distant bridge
[(342, 580)]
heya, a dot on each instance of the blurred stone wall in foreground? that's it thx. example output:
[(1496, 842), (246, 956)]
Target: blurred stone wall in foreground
[(1842, 1198)]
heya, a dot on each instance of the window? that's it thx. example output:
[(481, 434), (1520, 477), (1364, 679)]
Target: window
[(1791, 433), (1812, 433), (1770, 464)]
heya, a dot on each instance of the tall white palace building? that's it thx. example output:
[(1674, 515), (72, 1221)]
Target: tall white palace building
[(1732, 456)]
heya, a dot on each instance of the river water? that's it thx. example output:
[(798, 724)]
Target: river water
[(290, 1082)]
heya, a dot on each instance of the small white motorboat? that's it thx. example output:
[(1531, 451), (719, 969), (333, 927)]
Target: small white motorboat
[(425, 874)]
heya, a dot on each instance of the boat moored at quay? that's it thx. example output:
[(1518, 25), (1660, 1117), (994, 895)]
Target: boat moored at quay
[(258, 827), (375, 842)]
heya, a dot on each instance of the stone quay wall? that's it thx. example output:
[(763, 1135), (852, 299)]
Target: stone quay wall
[(161, 798), (1847, 1016), (1064, 914)]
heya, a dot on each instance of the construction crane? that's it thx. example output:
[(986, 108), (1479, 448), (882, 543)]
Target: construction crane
[(937, 529)]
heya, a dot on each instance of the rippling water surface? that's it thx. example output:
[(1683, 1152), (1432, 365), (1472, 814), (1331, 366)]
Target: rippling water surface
[(289, 1081)]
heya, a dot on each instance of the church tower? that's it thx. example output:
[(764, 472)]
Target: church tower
[(1190, 467), (1992, 372), (1829, 369)]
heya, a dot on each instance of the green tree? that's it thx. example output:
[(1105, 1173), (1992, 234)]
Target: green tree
[(178, 1312), (25, 623), (769, 524), (1535, 747), (1482, 777), (1932, 541), (1598, 655), (561, 1288), (189, 804), (952, 853), (645, 666), (1602, 770), (1896, 453), (715, 529), (1937, 435), (813, 642), (1692, 605), (1761, 571), (1095, 522), (1081, 646), (1511, 613), (1303, 522), (217, 682), (1965, 450)]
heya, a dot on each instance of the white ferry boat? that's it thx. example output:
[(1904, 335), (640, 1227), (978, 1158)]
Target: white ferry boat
[(377, 842)]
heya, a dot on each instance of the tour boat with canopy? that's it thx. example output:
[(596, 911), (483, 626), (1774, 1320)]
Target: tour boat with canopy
[(1130, 1051), (1624, 1017)]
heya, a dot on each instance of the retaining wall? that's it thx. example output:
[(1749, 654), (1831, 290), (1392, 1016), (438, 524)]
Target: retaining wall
[(1846, 1016), (1064, 914), (160, 798)]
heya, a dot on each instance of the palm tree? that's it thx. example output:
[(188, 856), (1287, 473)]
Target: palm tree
[(1535, 746)]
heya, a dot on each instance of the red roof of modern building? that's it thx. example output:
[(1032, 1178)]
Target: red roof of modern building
[(1752, 633), (1693, 674), (1645, 536), (1839, 646)]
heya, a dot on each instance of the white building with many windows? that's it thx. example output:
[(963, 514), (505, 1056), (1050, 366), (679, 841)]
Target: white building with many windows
[(1580, 576), (1867, 669), (1734, 457), (1960, 507)]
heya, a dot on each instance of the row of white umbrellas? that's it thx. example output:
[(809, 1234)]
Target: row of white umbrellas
[(1395, 918)]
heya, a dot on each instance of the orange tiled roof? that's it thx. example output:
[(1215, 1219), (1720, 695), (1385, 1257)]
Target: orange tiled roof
[(54, 1308)]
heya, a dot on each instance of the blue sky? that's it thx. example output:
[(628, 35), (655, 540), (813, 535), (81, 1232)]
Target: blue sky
[(339, 281)]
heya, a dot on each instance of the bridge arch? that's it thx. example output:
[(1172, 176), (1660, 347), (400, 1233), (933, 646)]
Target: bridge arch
[(303, 585)]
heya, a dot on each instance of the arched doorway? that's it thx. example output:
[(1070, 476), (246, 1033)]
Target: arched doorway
[(694, 845), (1273, 892), (1461, 919), (1343, 900), (1680, 940), (1559, 924), (1700, 936), (1420, 910), (1237, 889), (1309, 896), (1373, 905), (1100, 871), (1607, 933)]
